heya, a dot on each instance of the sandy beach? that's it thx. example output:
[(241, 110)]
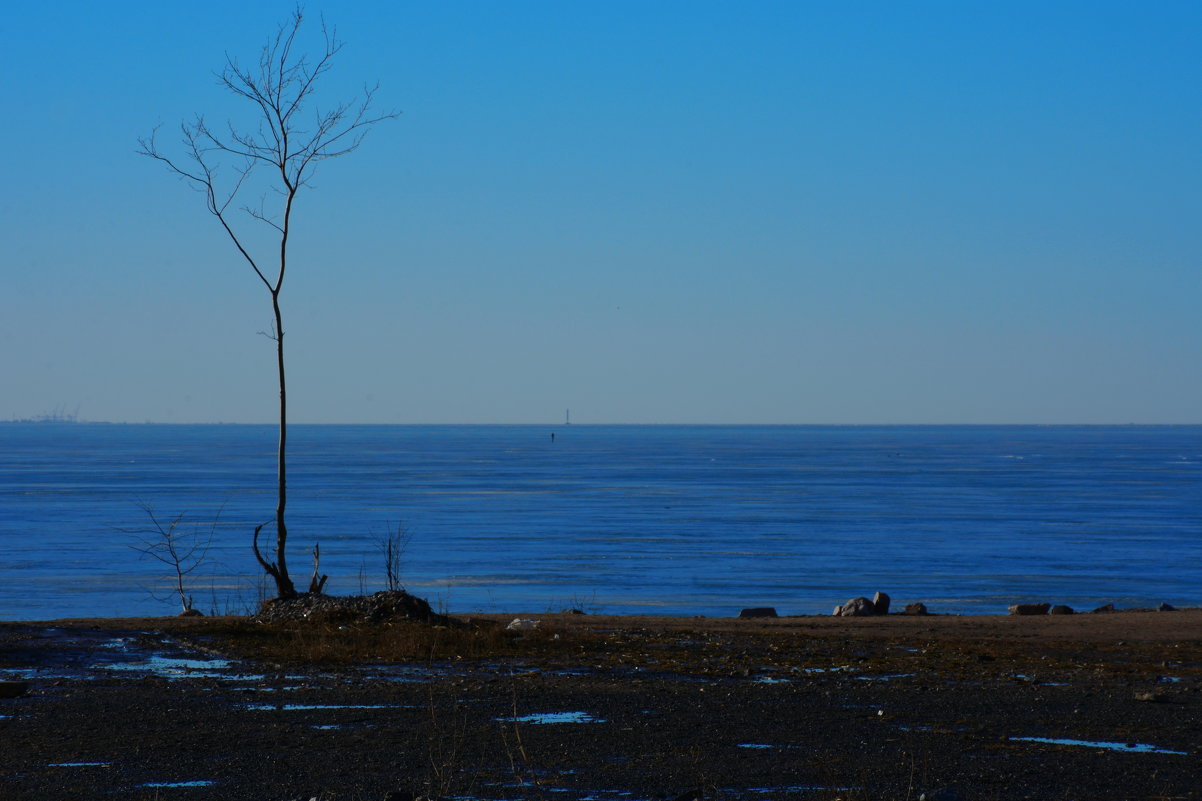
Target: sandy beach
[(1086, 706)]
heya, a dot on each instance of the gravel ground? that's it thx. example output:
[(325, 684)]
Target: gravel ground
[(618, 709)]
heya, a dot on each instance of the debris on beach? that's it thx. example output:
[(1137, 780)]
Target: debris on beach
[(376, 608), (522, 624)]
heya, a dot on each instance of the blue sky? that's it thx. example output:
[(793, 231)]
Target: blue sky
[(667, 212)]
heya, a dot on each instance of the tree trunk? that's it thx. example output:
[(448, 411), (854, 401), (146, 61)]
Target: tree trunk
[(283, 582)]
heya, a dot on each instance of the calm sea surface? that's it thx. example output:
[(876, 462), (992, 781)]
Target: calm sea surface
[(655, 519)]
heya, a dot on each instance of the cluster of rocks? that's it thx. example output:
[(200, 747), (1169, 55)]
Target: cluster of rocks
[(377, 608), (1061, 609), (856, 607), (879, 605), (1041, 609)]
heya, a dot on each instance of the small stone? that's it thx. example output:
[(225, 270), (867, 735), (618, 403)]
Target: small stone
[(1166, 608), (1150, 697), (1104, 608), (880, 602), (1061, 609), (915, 609), (1030, 609), (759, 611)]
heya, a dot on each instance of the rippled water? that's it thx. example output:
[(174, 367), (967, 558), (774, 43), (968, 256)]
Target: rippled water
[(658, 519)]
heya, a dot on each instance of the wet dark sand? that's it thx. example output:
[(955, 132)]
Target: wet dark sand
[(633, 708)]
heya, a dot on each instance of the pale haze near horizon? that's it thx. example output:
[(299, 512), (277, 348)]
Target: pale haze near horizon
[(644, 212)]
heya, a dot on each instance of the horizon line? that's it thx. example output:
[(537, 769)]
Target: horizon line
[(274, 424)]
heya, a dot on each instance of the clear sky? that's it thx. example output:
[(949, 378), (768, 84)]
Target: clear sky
[(646, 212)]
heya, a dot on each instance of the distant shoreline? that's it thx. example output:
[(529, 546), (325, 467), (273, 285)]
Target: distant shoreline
[(41, 421)]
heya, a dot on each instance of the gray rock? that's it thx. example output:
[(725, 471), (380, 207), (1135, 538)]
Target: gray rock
[(1104, 608), (880, 602), (759, 611), (916, 609), (1061, 609), (1030, 609), (856, 607), (1166, 608)]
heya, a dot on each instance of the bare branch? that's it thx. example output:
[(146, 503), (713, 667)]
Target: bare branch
[(272, 335), (181, 549), (269, 567), (318, 582), (202, 177), (261, 215)]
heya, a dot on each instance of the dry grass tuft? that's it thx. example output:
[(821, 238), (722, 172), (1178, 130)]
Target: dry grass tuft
[(324, 642)]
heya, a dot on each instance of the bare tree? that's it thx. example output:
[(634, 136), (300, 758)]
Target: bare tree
[(290, 137), (181, 548), (392, 546)]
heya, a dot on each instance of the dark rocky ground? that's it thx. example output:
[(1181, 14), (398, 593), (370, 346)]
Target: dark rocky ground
[(805, 708)]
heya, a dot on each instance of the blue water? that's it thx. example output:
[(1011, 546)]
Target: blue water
[(628, 519)]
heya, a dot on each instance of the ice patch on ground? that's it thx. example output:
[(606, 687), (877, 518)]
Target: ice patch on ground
[(554, 717), (1127, 748)]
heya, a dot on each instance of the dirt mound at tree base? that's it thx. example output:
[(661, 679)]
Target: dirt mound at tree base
[(377, 608)]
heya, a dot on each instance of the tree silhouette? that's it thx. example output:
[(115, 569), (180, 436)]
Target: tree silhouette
[(290, 137)]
